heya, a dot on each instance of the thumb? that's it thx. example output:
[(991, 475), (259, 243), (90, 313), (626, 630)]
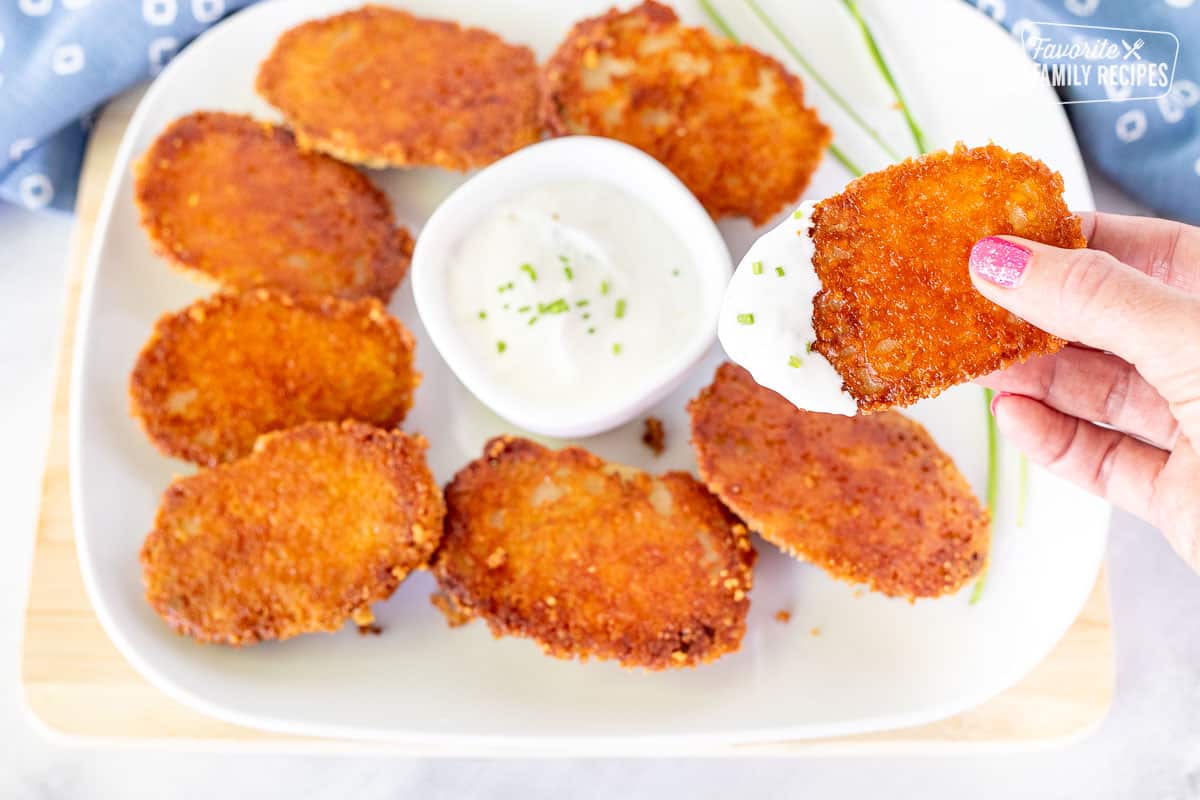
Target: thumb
[(1088, 296)]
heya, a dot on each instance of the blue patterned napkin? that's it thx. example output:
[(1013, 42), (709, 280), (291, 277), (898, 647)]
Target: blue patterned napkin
[(60, 59)]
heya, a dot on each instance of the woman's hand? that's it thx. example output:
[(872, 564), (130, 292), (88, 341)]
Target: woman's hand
[(1130, 306)]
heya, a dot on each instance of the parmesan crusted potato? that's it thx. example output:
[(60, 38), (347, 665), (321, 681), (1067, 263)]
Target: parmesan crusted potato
[(729, 121), (869, 499), (897, 315), (224, 370), (306, 532), (594, 560), (229, 199), (380, 87)]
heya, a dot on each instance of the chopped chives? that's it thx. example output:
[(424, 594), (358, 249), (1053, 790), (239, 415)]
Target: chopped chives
[(587, 315), (564, 259), (528, 270), (621, 308), (524, 309), (506, 306), (580, 303), (756, 268), (532, 320), (558, 306), (808, 347), (745, 319), (675, 272), (591, 330), (603, 287), (483, 315), (779, 271), (570, 275), (616, 348), (794, 361), (501, 346), (797, 214)]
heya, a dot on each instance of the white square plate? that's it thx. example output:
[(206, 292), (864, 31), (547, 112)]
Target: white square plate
[(876, 664)]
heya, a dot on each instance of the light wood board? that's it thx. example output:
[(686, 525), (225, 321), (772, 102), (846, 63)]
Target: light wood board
[(77, 685)]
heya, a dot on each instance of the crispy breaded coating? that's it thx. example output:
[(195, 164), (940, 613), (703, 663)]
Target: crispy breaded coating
[(594, 560), (898, 317), (869, 499), (234, 200), (306, 532), (729, 121), (380, 87), (228, 368)]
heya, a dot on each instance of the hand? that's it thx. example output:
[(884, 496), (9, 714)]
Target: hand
[(1130, 306)]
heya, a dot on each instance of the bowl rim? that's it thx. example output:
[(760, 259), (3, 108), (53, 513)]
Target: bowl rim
[(565, 158)]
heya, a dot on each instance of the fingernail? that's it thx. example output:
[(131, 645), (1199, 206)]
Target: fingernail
[(995, 398), (999, 261)]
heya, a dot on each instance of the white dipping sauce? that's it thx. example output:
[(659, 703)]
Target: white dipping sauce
[(574, 294), (766, 319)]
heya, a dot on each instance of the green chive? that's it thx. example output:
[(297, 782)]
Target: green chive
[(675, 272), (532, 320), (621, 308), (530, 271), (616, 348), (558, 306), (506, 306), (524, 309), (501, 346), (591, 330), (483, 315), (509, 285), (808, 347), (570, 275), (586, 315), (794, 361), (797, 214), (756, 268), (745, 319), (603, 287), (779, 271), (580, 303)]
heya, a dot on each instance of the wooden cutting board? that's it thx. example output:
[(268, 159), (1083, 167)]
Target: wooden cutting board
[(77, 685)]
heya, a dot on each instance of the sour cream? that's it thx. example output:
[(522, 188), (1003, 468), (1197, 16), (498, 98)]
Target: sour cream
[(573, 294), (766, 319)]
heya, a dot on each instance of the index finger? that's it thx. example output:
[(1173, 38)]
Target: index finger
[(1166, 251)]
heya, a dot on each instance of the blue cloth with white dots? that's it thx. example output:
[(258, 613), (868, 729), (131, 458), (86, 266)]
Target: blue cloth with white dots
[(1151, 148), (60, 59)]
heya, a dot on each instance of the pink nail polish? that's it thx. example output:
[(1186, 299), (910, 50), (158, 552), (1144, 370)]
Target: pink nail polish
[(999, 261), (995, 398)]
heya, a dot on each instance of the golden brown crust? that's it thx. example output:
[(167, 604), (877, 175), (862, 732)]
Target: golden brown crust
[(316, 524), (729, 121), (898, 317), (594, 560), (380, 87), (234, 200), (227, 368), (869, 499)]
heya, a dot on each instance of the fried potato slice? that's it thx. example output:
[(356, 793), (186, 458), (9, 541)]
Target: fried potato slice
[(729, 121), (224, 370), (380, 87), (898, 317), (593, 559), (869, 499), (234, 200), (306, 532)]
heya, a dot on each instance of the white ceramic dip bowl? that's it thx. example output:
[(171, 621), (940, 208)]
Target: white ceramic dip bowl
[(572, 158)]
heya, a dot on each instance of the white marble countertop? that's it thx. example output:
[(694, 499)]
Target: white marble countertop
[(1149, 747)]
